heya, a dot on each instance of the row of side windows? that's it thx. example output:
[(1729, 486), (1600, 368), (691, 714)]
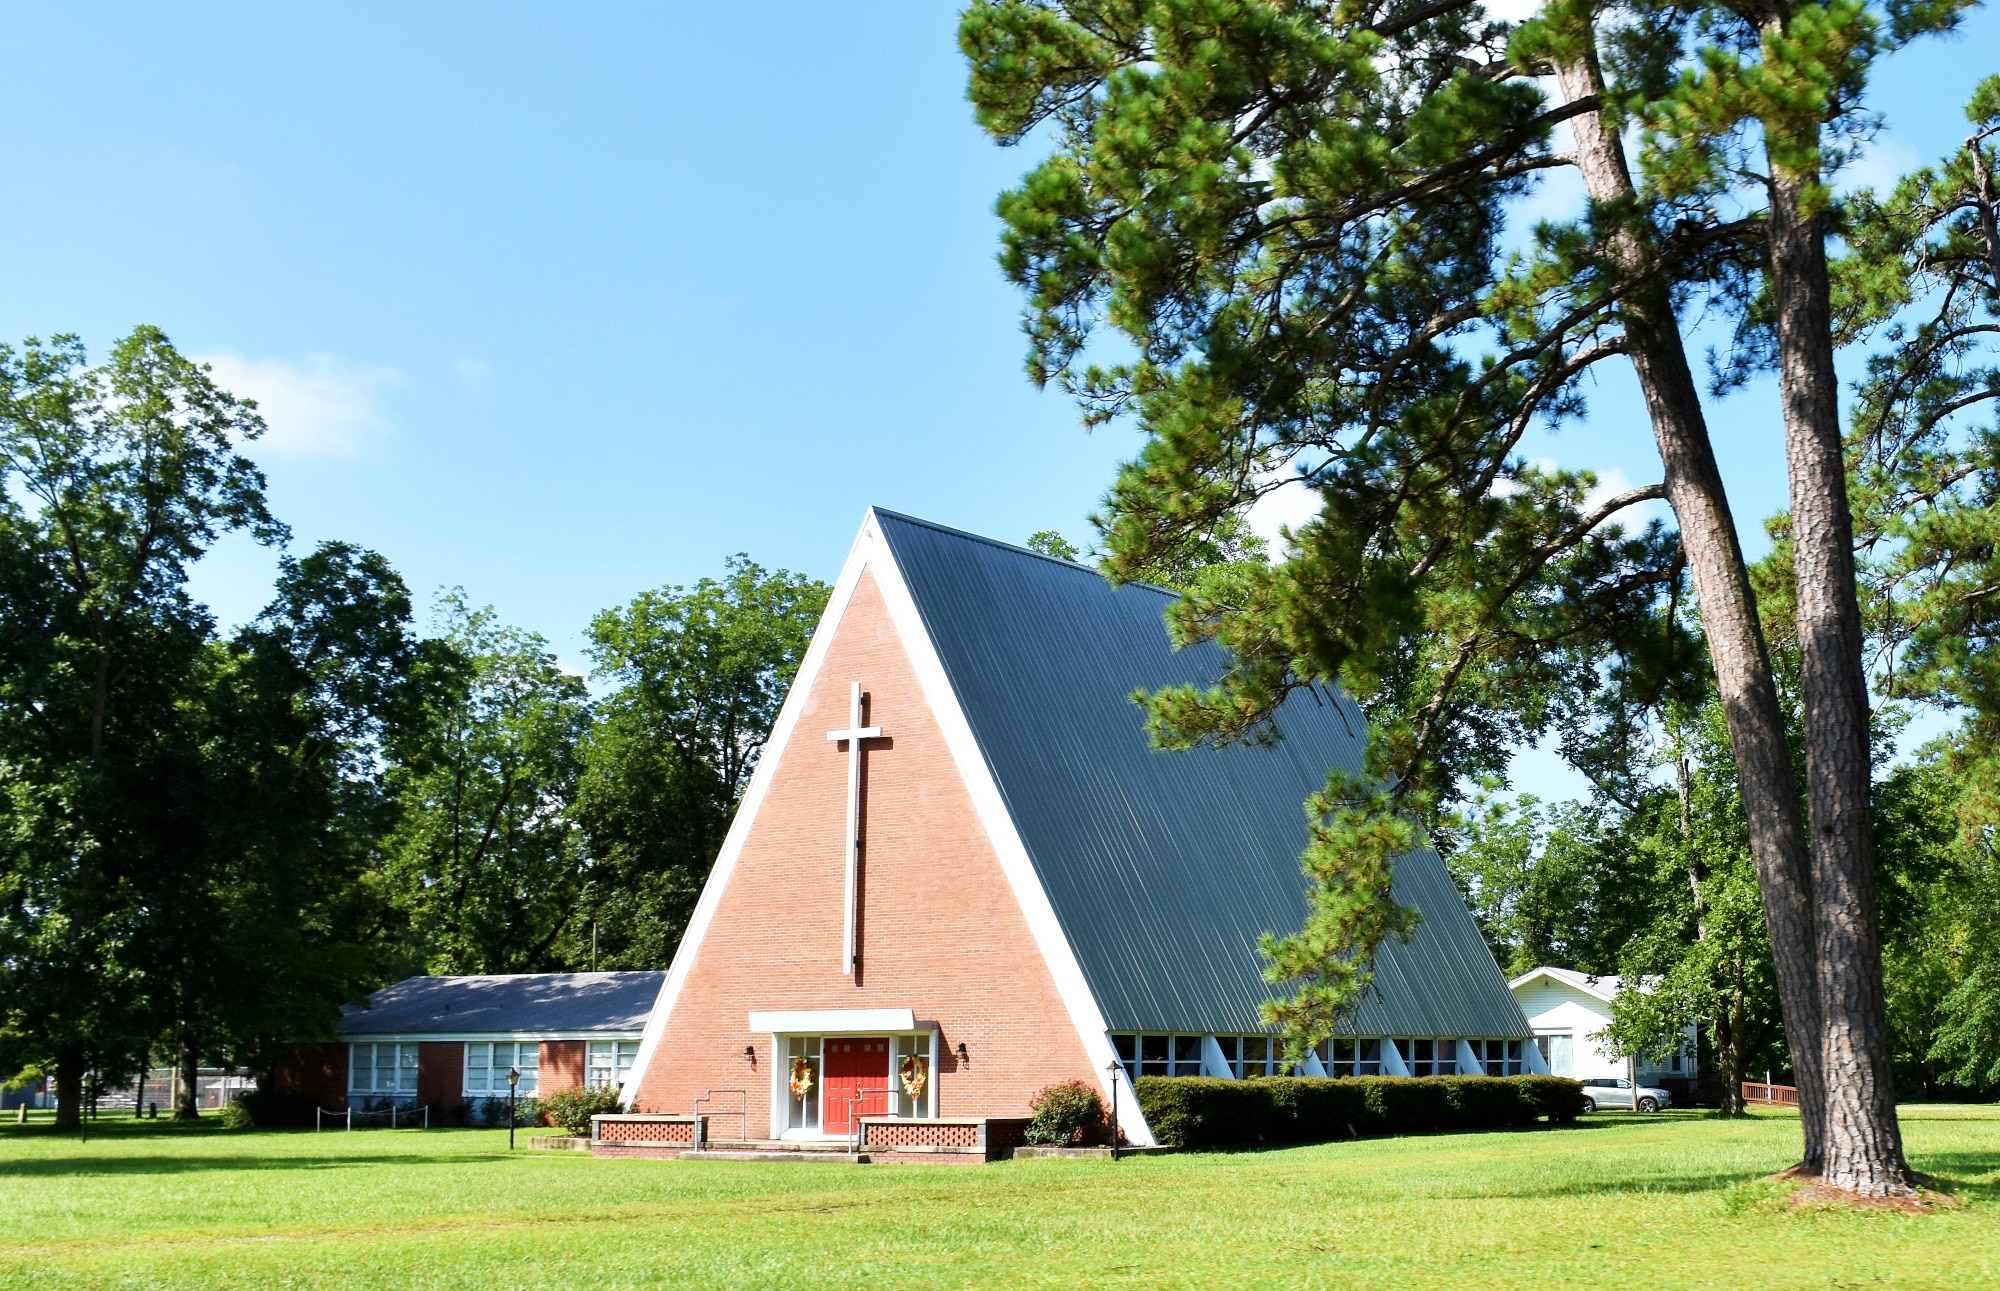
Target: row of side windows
[(391, 1069), (1181, 1055)]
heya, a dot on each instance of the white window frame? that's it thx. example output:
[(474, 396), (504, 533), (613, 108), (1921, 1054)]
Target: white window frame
[(619, 1056), (813, 1047), (1506, 1055), (1407, 1048), (1356, 1061), (1181, 1052), (402, 1049), (496, 1071)]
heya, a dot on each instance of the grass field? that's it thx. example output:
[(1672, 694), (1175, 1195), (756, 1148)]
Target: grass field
[(1623, 1202)]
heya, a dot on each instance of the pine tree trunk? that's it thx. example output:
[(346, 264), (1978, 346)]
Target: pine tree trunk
[(1864, 1146), (69, 1086), (187, 1100), (1728, 609)]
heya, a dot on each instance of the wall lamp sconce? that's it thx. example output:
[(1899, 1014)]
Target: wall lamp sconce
[(750, 1054), (961, 1051)]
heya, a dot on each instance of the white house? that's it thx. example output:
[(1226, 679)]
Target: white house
[(1568, 1009)]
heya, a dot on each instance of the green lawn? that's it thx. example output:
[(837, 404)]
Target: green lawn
[(1669, 1201)]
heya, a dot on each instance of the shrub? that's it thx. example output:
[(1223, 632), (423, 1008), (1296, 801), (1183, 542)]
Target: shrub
[(1065, 1113), (571, 1109), (269, 1109), (1556, 1097), (453, 1116), (491, 1113), (1200, 1112)]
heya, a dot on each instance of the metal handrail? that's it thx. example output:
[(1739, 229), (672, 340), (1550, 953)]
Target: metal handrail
[(742, 1113), (860, 1094)]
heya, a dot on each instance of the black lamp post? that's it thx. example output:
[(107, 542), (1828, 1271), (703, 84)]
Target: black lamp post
[(513, 1086), (1112, 1071)]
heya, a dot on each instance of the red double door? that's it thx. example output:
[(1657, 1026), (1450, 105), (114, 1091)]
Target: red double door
[(856, 1076)]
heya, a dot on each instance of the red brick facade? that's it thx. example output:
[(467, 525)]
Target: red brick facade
[(320, 1071), (940, 930), (441, 1073), (562, 1066), (317, 1071)]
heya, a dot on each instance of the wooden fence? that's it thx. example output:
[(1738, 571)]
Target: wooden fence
[(1770, 1095)]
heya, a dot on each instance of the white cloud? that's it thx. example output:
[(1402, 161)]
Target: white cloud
[(321, 407), (1612, 481), (1880, 163), (1291, 503), (472, 371)]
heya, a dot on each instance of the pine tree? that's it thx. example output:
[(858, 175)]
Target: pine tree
[(1292, 213)]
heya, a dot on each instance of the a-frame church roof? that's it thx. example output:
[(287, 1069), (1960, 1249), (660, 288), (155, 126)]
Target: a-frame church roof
[(1164, 867)]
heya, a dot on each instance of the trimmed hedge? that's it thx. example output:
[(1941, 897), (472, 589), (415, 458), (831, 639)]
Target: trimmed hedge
[(1188, 1111)]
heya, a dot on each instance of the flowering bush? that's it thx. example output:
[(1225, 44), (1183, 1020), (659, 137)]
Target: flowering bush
[(571, 1109), (1067, 1113)]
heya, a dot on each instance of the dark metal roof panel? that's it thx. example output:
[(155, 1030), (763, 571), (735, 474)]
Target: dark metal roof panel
[(1165, 867), (513, 1003)]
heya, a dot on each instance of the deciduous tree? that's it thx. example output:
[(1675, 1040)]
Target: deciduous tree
[(113, 481), (699, 674), (483, 861)]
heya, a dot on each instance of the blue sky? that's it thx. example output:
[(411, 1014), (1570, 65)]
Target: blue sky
[(559, 303)]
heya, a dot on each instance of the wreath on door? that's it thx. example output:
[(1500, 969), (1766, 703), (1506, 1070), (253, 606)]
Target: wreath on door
[(802, 1077), (913, 1076)]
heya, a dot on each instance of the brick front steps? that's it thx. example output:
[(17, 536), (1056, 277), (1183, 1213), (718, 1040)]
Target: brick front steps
[(559, 1143)]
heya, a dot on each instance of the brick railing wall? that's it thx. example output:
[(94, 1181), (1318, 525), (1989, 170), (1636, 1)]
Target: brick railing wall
[(642, 1129), (996, 1135), (919, 1134)]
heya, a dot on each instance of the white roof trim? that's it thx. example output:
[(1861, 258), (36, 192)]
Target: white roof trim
[(1057, 954), (746, 814), (833, 1021), (1584, 982), (870, 550)]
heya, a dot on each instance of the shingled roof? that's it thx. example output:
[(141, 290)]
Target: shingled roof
[(1165, 867), (518, 1004)]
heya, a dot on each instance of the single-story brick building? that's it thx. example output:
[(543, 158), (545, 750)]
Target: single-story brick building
[(448, 1042)]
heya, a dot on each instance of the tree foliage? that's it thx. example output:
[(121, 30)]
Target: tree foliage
[(1704, 957), (1568, 885), (1293, 215), (699, 675), (482, 860), (180, 860)]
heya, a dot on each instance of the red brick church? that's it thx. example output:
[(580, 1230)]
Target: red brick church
[(961, 872)]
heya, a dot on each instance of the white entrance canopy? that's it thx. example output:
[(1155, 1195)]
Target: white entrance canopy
[(834, 1021)]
